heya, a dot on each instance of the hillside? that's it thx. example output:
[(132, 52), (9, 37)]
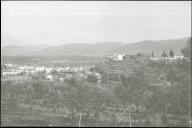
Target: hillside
[(157, 47), (27, 50), (97, 49)]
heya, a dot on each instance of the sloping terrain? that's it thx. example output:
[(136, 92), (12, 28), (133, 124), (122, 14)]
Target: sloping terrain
[(97, 49)]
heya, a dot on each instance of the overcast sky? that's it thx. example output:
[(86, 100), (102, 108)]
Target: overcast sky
[(62, 22)]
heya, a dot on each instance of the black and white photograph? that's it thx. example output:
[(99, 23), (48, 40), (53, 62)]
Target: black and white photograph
[(96, 63)]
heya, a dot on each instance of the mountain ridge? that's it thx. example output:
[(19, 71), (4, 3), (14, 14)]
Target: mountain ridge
[(97, 49)]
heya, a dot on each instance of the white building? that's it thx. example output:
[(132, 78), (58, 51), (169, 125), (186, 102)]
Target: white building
[(30, 67), (40, 69), (61, 79), (22, 67), (74, 69), (32, 72), (117, 57), (66, 68), (98, 76), (48, 70), (120, 57), (59, 69), (8, 65), (179, 57), (49, 77), (12, 72)]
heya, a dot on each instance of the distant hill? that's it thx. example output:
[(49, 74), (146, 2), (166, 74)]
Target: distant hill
[(24, 50), (97, 49), (147, 46)]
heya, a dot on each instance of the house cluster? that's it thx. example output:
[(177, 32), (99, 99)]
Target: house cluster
[(117, 57), (66, 73), (11, 69), (121, 57), (167, 58), (51, 73)]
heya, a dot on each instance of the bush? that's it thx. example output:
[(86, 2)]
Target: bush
[(92, 79), (165, 120)]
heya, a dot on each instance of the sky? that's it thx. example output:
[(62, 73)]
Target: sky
[(64, 22)]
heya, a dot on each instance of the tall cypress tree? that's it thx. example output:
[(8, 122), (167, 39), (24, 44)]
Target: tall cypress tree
[(164, 54), (187, 50), (171, 53)]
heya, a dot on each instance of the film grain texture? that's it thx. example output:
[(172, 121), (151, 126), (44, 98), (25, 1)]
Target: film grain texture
[(96, 63)]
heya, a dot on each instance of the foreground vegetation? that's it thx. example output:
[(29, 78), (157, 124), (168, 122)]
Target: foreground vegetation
[(132, 102), (157, 94)]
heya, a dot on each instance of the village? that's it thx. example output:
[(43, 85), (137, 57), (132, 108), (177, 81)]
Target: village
[(81, 73), (50, 73), (163, 57)]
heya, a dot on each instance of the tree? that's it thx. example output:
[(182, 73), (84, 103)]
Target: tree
[(139, 54), (39, 89), (179, 93), (152, 54), (155, 101), (131, 91), (171, 53), (80, 102), (164, 55), (85, 99), (114, 76), (38, 76), (92, 78), (122, 93), (92, 69), (97, 99), (72, 82), (187, 50)]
